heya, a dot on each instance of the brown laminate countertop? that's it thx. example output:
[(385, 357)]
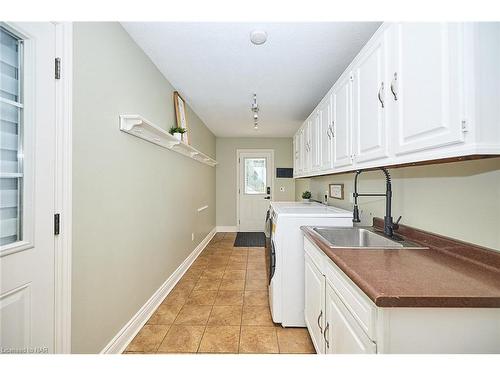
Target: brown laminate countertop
[(450, 273)]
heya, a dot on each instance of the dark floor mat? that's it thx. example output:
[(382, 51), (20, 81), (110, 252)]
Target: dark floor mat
[(250, 239)]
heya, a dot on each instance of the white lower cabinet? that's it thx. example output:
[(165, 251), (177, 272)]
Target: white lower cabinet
[(342, 333), (332, 328), (314, 306), (341, 319)]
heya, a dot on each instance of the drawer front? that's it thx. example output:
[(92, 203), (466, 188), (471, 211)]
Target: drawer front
[(317, 256), (361, 307)]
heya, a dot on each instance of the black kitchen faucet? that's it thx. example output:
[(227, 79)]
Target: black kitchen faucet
[(389, 225)]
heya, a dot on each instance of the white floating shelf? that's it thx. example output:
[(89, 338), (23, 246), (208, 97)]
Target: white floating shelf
[(140, 127)]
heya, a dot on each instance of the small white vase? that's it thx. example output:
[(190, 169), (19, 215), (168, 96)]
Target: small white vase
[(178, 136), (306, 200)]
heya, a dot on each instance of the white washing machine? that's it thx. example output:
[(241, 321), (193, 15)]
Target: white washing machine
[(286, 263)]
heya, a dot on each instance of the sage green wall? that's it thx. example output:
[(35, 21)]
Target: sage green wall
[(459, 200), (134, 203), (301, 185), (226, 172)]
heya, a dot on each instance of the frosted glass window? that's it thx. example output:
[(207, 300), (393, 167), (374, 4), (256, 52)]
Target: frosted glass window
[(11, 111), (255, 176)]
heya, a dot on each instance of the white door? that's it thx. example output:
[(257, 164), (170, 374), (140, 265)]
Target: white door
[(427, 79), (325, 135), (342, 333), (255, 189), (313, 303), (370, 95), (342, 121), (27, 99)]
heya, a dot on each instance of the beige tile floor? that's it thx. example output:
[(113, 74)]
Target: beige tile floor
[(220, 305)]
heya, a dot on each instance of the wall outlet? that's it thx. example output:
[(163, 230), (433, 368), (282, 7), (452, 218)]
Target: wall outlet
[(282, 189), (192, 236)]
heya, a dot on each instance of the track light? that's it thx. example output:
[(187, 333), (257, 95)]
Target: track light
[(255, 109)]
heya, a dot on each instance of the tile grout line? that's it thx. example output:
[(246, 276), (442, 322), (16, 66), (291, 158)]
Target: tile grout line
[(206, 323), (242, 305), (176, 315)]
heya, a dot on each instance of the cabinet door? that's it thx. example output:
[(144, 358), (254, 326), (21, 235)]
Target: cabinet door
[(427, 78), (315, 142), (314, 298), (370, 93), (342, 121), (342, 333), (308, 152), (297, 151), (325, 133)]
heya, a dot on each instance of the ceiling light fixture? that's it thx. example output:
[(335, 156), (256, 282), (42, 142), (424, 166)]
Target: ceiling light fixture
[(255, 109), (258, 37)]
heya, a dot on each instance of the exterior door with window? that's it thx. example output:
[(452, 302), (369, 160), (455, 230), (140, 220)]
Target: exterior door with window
[(27, 187), (254, 190)]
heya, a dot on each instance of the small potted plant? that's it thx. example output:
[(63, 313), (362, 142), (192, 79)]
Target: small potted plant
[(306, 196), (177, 132)]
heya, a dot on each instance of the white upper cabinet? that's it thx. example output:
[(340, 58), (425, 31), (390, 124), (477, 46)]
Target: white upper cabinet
[(315, 142), (308, 151), (416, 92), (369, 99), (298, 151), (326, 133), (342, 119), (426, 73)]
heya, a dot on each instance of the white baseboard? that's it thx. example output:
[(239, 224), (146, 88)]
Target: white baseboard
[(118, 344), (226, 229)]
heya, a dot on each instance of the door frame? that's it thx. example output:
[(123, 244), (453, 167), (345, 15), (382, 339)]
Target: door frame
[(245, 150), (63, 189)]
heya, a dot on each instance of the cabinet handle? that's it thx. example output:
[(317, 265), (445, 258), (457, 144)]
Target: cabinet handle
[(324, 335), (331, 129), (392, 86), (319, 325), (328, 133), (380, 90)]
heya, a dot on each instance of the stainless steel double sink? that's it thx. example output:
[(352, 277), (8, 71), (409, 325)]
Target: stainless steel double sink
[(362, 238)]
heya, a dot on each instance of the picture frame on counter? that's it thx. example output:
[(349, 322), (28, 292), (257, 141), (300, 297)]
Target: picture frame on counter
[(336, 191)]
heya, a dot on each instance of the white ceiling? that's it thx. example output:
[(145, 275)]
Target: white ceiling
[(216, 69)]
